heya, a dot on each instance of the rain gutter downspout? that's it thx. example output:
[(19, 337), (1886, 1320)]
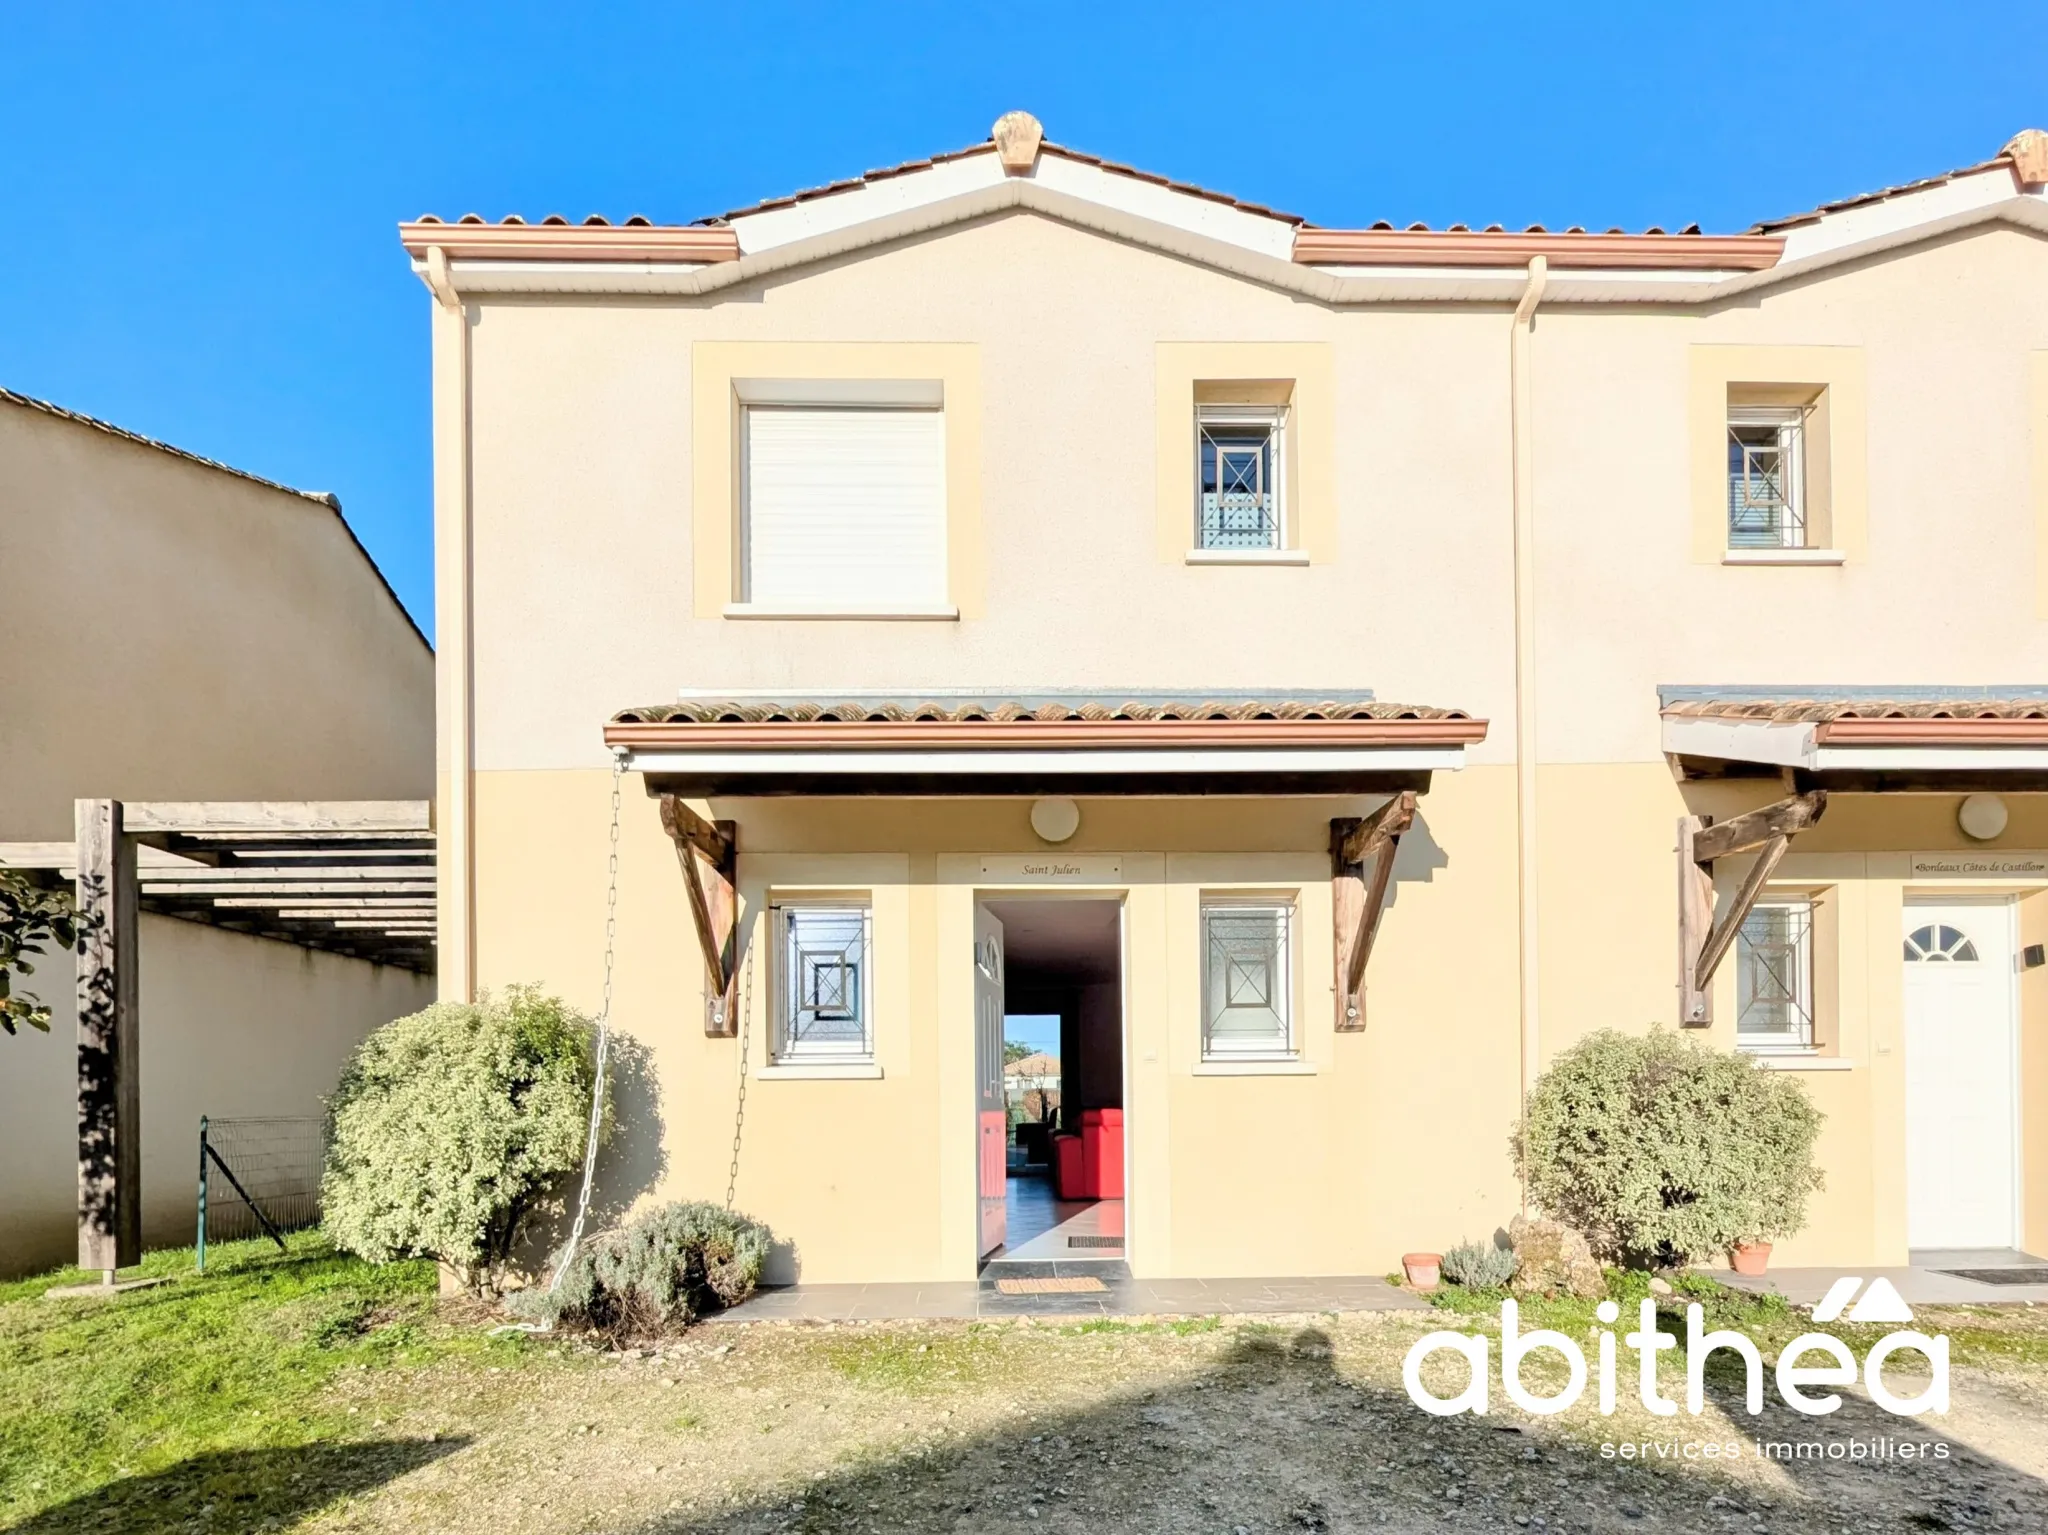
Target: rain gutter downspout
[(455, 797), (1521, 404)]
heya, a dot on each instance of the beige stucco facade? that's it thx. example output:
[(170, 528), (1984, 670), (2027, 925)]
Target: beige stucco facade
[(594, 538), (174, 630)]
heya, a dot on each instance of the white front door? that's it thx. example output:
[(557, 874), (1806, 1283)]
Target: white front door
[(1961, 1161), (991, 1117)]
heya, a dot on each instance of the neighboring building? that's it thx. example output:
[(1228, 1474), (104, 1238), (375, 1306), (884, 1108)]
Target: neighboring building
[(1031, 1088), (877, 522), (176, 630)]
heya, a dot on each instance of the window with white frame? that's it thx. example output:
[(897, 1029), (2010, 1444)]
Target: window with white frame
[(842, 506), (1247, 980), (1767, 477), (823, 982), (1939, 944), (1774, 977), (1239, 500)]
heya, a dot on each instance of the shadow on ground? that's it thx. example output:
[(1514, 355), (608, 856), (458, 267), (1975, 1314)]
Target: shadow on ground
[(237, 1490), (1273, 1439)]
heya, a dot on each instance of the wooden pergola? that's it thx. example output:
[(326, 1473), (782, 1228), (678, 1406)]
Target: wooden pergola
[(352, 877)]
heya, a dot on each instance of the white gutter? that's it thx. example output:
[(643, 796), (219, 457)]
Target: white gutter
[(1521, 406)]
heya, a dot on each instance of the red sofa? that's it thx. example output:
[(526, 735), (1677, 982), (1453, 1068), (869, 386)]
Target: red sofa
[(1091, 1165)]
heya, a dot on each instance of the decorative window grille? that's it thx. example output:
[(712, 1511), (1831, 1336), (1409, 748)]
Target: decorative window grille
[(1774, 977), (1767, 478), (822, 983), (1939, 944), (1237, 477), (1247, 981), (843, 506)]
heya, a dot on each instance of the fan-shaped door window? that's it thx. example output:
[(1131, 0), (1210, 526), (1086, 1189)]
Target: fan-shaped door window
[(1939, 943)]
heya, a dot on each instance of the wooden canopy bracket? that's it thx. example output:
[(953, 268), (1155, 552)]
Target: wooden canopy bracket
[(1357, 900), (1702, 942), (715, 910)]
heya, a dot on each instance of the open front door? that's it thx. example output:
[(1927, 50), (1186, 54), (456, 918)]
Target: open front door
[(992, 1117)]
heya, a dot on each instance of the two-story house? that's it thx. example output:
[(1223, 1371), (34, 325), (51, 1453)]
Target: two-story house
[(1331, 670)]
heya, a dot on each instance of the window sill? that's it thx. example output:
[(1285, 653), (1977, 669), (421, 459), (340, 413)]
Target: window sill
[(1799, 1060), (1247, 557), (889, 611), (1783, 557), (822, 1071), (1272, 1068)]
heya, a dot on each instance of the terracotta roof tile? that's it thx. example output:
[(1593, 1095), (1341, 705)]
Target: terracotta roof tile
[(1189, 187), (593, 220), (1805, 711), (1882, 194), (1384, 226), (987, 146), (1002, 711), (324, 497)]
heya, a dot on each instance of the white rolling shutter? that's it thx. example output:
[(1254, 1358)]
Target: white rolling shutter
[(844, 508)]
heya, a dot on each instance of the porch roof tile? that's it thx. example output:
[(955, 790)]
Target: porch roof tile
[(1027, 709), (1819, 711), (1865, 717), (1040, 721)]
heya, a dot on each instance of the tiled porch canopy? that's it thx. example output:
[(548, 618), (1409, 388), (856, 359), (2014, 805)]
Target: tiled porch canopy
[(1816, 742), (1863, 739), (1034, 744), (1041, 744)]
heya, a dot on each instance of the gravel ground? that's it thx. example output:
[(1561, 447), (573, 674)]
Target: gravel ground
[(1237, 1427)]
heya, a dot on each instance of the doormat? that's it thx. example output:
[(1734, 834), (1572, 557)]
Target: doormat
[(1095, 1241), (1078, 1285), (2000, 1276)]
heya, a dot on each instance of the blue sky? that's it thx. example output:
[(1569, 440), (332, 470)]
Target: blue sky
[(199, 202), (1041, 1031)]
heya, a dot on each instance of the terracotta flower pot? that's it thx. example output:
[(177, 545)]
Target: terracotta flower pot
[(1423, 1271), (1750, 1258)]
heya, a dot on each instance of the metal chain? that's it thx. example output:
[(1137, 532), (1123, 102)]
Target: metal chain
[(739, 1113), (604, 1030)]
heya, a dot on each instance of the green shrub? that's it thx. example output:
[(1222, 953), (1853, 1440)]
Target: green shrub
[(657, 1273), (33, 918), (1479, 1265), (1662, 1150), (454, 1127)]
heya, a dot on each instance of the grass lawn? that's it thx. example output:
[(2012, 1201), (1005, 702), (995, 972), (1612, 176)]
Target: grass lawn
[(208, 1390), (311, 1392)]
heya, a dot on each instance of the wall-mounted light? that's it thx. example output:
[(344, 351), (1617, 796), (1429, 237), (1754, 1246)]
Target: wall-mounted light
[(1982, 816), (1055, 819)]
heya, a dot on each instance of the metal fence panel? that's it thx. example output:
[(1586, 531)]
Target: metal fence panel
[(275, 1161)]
